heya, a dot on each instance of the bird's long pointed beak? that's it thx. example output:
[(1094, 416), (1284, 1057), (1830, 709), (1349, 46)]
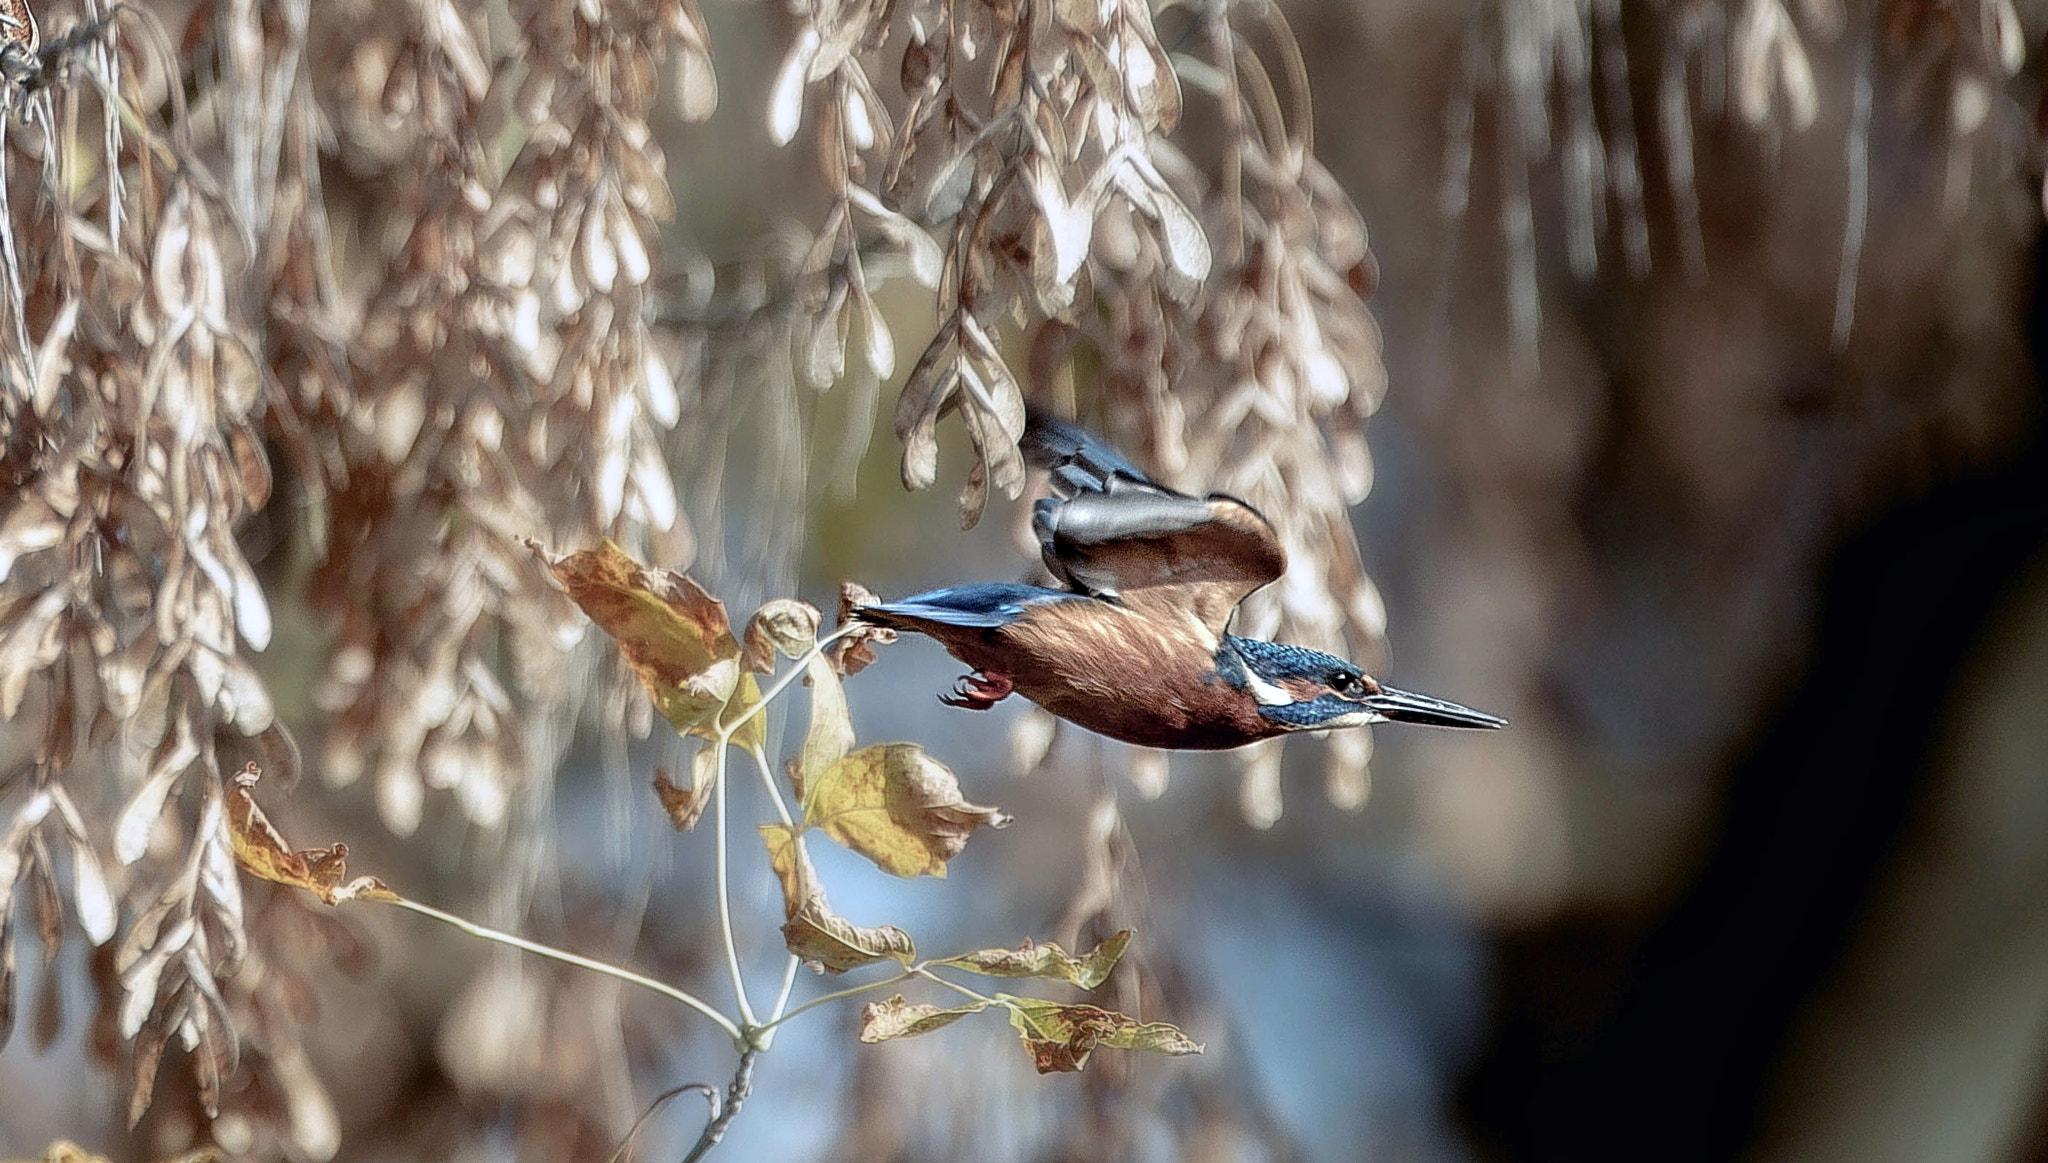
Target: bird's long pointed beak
[(1404, 707)]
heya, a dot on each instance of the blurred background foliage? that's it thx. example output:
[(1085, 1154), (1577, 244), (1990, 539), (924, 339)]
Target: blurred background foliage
[(1710, 455)]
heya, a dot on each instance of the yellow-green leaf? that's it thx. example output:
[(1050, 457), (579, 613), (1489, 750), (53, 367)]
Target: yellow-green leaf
[(1060, 1037), (672, 633), (754, 732), (813, 931), (898, 807), (896, 1018), (1047, 960)]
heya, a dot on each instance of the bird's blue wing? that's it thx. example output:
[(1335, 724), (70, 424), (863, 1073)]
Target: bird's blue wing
[(984, 606)]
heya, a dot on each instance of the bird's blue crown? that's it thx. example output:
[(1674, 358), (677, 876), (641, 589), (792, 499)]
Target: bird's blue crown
[(1277, 660)]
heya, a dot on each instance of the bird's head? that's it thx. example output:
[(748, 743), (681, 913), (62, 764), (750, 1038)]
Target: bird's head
[(1306, 690)]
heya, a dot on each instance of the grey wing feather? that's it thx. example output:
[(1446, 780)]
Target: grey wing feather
[(1071, 531), (1111, 531), (1079, 460)]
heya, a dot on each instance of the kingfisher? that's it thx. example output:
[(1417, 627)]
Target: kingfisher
[(1138, 645)]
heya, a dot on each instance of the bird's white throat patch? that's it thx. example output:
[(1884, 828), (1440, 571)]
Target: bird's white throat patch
[(1267, 694)]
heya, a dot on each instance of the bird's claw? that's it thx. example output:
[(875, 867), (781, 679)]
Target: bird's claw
[(979, 691)]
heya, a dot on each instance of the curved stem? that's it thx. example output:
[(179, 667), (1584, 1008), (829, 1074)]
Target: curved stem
[(956, 987), (504, 938), (710, 1093), (735, 1097), (782, 810), (774, 791), (782, 997), (732, 950), (726, 730), (852, 991)]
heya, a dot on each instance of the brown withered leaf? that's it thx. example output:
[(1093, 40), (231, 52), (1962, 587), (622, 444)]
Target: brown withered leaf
[(898, 807), (672, 633), (785, 625), (1047, 960), (260, 850), (896, 1018), (1060, 1037), (685, 805), (856, 652), (813, 931)]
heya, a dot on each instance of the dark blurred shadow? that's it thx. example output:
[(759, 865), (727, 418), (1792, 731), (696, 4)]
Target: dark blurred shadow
[(1623, 1041)]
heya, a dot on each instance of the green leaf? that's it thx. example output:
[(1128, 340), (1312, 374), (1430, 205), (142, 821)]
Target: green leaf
[(1059, 1037), (672, 633), (882, 1020), (813, 931), (898, 807), (1047, 960)]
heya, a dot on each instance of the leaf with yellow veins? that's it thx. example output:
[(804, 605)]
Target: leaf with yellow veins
[(673, 634), (1060, 1037), (898, 807), (260, 850), (896, 1018), (1047, 960), (813, 931), (785, 625)]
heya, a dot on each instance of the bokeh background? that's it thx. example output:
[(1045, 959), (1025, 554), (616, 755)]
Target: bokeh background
[(1729, 492)]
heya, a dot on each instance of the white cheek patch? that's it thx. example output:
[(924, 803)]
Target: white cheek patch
[(1267, 694)]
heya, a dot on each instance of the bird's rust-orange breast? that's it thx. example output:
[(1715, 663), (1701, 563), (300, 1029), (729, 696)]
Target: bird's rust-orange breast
[(1116, 672)]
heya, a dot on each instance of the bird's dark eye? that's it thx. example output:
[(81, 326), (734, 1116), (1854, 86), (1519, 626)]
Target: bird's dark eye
[(1347, 684)]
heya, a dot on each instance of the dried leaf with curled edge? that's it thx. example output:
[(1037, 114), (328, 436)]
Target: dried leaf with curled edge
[(1047, 960), (898, 807), (830, 734), (685, 805), (856, 652), (1060, 1037), (896, 1018), (260, 850), (785, 625), (672, 633), (813, 931)]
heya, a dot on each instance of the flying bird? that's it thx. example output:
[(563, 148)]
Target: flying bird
[(1138, 646)]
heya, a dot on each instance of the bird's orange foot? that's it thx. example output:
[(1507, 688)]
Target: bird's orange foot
[(979, 691)]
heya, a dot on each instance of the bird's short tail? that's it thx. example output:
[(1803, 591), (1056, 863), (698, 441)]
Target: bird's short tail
[(984, 606)]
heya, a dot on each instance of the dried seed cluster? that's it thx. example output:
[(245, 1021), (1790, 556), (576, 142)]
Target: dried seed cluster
[(455, 347), (506, 383), (1025, 126), (474, 369), (1559, 74), (131, 451), (1260, 386)]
